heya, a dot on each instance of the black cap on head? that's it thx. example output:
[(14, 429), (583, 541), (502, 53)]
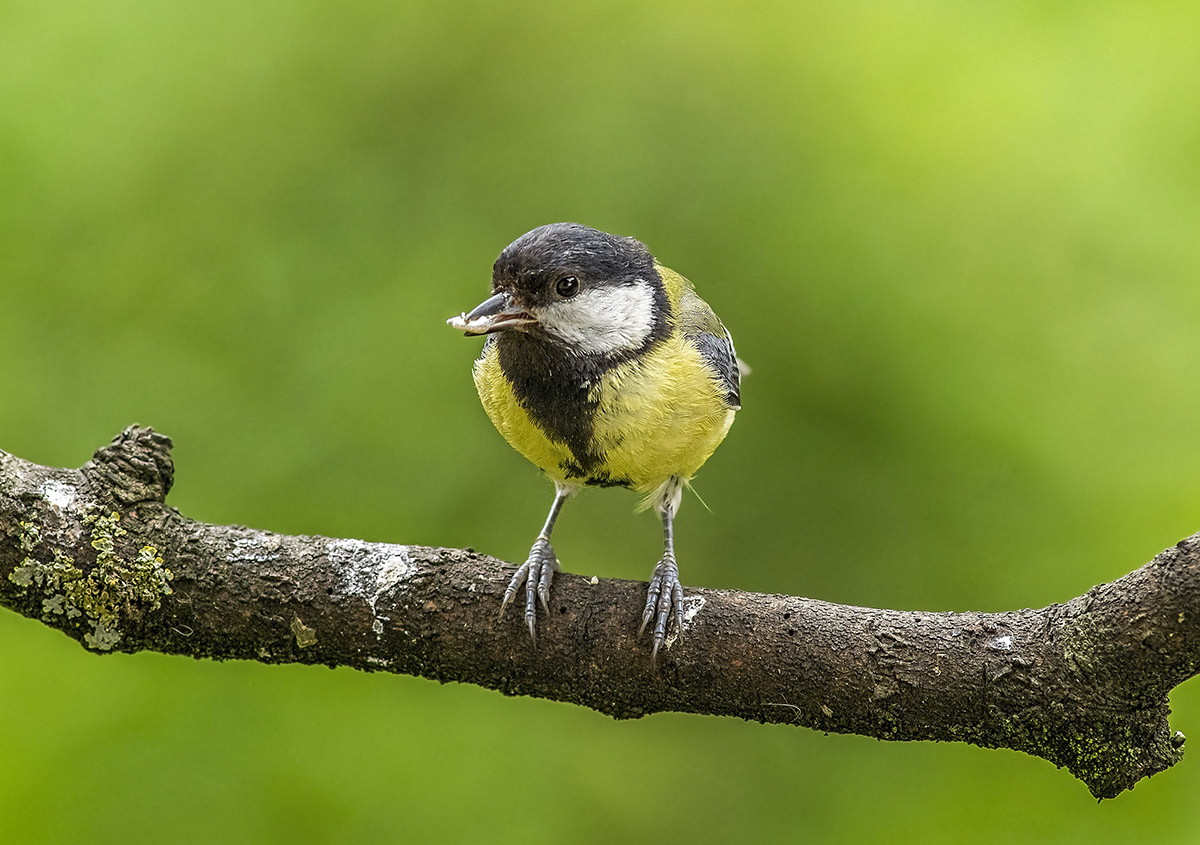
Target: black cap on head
[(543, 255)]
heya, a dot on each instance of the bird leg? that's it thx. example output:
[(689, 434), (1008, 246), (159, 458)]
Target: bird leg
[(537, 573), (666, 593)]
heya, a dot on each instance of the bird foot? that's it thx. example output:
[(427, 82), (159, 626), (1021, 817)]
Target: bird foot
[(663, 599), (536, 574)]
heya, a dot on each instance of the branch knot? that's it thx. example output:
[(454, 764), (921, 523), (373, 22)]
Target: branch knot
[(135, 467)]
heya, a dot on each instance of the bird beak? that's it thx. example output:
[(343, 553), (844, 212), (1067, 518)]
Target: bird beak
[(492, 315)]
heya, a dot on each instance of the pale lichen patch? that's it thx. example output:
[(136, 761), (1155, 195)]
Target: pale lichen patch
[(57, 493), (31, 536), (259, 547), (692, 605), (24, 572), (103, 638), (371, 569), (28, 570), (112, 587), (395, 569), (1004, 643)]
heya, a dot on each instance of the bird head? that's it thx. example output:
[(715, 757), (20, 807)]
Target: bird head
[(585, 290)]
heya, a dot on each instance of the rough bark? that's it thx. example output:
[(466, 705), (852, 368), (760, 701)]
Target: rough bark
[(1082, 684)]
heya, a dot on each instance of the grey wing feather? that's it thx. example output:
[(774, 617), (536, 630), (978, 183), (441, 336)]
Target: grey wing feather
[(702, 327), (719, 353)]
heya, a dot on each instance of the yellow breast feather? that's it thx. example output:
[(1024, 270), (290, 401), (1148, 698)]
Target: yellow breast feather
[(512, 421), (659, 415)]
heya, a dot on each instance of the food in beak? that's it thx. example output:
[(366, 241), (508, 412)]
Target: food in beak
[(492, 315)]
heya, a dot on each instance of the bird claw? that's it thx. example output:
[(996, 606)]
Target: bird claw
[(664, 599), (536, 575)]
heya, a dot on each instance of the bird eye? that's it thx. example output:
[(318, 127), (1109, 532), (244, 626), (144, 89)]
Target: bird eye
[(567, 286)]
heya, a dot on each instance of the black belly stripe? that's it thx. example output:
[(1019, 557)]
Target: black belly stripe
[(552, 387), (603, 479)]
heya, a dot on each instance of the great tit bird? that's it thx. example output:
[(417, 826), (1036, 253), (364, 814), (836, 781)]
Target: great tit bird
[(605, 369)]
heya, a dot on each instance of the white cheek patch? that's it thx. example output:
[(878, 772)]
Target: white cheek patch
[(604, 320)]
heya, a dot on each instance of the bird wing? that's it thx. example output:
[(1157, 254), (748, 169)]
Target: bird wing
[(704, 329)]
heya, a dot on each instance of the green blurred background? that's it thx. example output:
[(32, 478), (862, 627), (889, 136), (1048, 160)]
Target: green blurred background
[(957, 242)]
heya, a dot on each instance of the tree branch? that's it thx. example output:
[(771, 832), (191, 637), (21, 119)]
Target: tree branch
[(96, 553)]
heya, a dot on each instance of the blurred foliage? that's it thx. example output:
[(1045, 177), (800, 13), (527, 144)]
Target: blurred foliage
[(957, 242)]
